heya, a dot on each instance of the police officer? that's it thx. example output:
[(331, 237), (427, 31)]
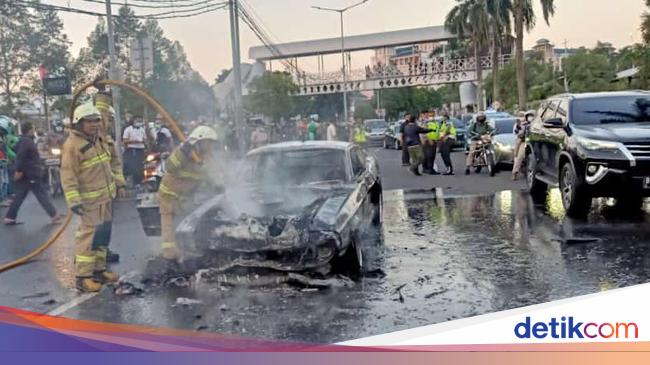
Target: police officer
[(430, 144), (447, 139)]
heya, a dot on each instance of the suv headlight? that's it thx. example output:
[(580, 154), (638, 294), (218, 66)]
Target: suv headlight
[(598, 145)]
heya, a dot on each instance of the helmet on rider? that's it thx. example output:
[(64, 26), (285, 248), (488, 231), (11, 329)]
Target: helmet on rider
[(481, 117), (529, 115)]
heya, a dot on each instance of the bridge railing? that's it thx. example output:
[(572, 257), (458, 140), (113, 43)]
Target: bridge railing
[(435, 66)]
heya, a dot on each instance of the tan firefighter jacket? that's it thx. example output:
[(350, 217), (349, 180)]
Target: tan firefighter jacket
[(91, 170)]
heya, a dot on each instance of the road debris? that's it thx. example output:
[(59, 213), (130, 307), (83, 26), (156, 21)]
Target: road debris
[(187, 301), (438, 292), (335, 282)]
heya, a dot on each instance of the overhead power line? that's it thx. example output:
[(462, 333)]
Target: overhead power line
[(180, 13), (158, 5)]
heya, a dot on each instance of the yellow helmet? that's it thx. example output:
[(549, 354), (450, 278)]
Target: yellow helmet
[(203, 132), (86, 110)]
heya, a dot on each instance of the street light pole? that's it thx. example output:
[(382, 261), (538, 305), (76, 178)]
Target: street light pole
[(345, 80), (236, 66), (117, 126)]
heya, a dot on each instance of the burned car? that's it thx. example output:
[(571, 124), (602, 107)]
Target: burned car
[(298, 206)]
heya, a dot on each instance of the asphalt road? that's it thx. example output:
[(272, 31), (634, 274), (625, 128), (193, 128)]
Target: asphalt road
[(453, 247)]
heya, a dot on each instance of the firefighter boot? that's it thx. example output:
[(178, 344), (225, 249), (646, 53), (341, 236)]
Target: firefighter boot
[(88, 285), (106, 277)]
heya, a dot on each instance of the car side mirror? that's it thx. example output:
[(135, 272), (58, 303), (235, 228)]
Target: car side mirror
[(554, 123)]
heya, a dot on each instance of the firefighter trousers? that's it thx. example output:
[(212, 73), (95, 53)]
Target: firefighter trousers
[(170, 206), (92, 238)]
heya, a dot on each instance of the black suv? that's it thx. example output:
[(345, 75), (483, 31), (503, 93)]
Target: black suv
[(591, 145)]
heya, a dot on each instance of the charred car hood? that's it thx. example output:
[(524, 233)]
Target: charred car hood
[(263, 219)]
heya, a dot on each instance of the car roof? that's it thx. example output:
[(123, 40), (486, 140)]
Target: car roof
[(300, 146), (603, 94)]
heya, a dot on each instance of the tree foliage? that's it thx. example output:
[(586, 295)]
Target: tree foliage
[(270, 95), (29, 38)]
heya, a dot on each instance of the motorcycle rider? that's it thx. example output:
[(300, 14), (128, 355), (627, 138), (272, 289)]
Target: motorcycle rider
[(476, 131), (522, 127), (184, 174), (91, 175)]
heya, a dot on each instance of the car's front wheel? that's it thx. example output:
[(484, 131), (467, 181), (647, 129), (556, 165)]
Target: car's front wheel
[(575, 200), (537, 188)]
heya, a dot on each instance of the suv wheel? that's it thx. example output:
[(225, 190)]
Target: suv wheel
[(576, 202), (537, 188)]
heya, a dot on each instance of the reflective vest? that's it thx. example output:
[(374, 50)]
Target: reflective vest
[(447, 129), (359, 135), (433, 136), (91, 171)]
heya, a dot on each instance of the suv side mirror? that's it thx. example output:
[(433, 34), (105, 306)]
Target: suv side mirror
[(554, 123)]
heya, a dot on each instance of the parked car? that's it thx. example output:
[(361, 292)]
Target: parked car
[(375, 130), (300, 207), (393, 137), (591, 145), (461, 130)]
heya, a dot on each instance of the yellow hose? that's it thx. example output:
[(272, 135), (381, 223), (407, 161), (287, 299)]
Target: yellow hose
[(166, 117)]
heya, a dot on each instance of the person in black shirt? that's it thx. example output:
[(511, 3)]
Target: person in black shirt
[(411, 138), (28, 176), (405, 151)]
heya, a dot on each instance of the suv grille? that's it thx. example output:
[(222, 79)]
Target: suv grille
[(640, 150)]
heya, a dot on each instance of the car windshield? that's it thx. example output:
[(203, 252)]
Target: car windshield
[(375, 124), (611, 109), (504, 126), (458, 123), (300, 167)]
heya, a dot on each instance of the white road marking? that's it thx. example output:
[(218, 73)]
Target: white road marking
[(71, 304)]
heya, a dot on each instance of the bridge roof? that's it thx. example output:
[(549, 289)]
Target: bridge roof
[(352, 43)]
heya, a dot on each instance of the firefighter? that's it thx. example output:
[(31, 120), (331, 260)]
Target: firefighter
[(183, 176), (91, 175)]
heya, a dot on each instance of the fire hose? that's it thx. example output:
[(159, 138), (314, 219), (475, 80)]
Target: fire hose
[(99, 84)]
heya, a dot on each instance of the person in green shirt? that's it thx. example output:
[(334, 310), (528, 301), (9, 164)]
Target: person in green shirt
[(312, 130)]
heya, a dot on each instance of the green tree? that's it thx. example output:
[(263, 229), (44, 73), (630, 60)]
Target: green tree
[(271, 95), (408, 99), (524, 18), (500, 27), (645, 24), (470, 19)]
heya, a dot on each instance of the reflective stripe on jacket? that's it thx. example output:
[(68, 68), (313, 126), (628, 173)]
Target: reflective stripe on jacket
[(91, 171), (433, 136), (359, 135), (447, 128)]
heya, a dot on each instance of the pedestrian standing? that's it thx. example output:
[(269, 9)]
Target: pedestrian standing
[(134, 139), (331, 131), (28, 176), (312, 130), (412, 141), (405, 151), (521, 131), (430, 144), (91, 177), (447, 139)]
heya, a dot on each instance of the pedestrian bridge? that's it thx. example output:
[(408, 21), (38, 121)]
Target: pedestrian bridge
[(430, 71)]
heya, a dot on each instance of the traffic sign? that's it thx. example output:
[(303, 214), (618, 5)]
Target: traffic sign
[(57, 85)]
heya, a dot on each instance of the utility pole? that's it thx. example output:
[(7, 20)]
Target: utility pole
[(236, 65), (117, 127), (345, 80)]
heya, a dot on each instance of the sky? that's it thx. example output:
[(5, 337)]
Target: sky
[(206, 38)]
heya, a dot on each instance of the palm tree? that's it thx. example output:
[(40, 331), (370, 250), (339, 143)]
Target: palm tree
[(499, 12), (645, 26), (524, 17), (470, 19)]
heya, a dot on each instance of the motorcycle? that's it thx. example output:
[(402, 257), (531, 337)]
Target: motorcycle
[(154, 170), (53, 172), (484, 155)]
